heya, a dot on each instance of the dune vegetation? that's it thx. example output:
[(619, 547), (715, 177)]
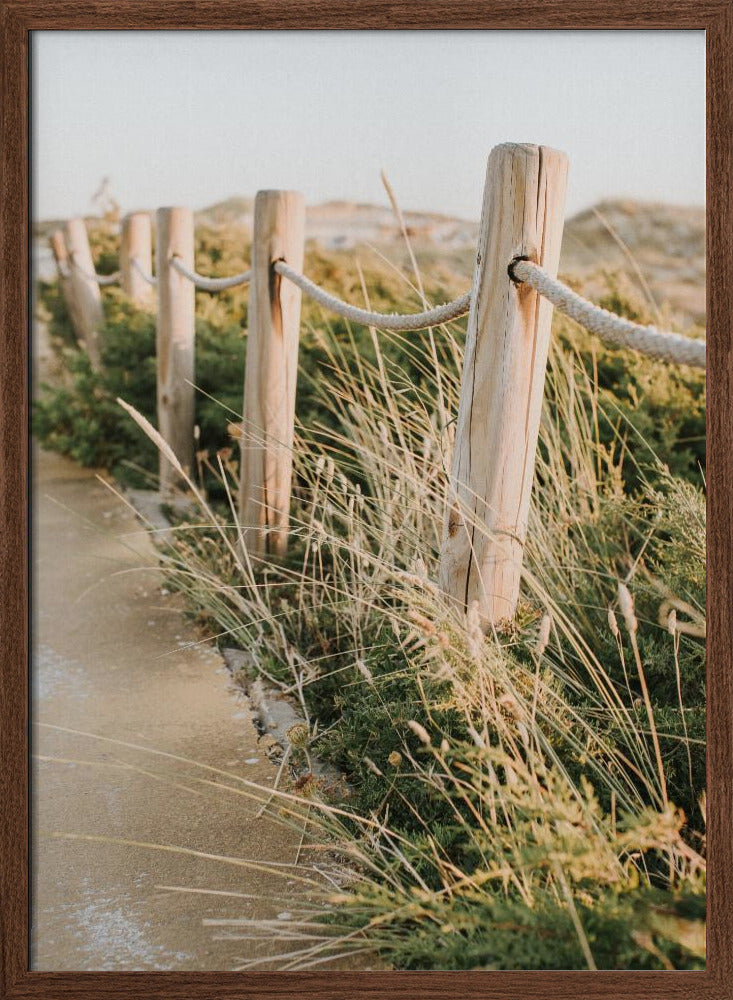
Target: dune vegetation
[(531, 798)]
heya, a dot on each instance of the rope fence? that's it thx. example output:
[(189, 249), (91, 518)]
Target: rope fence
[(210, 284), (614, 330), (385, 321), (149, 278), (503, 375), (672, 348), (100, 279)]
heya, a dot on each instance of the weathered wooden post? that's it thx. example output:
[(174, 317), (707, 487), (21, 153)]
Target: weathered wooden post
[(271, 373), (503, 381), (175, 340), (136, 244), (63, 265), (85, 290)]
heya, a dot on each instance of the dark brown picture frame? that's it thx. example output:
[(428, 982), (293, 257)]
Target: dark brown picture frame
[(19, 18)]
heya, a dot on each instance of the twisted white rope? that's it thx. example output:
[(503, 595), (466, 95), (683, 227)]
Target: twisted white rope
[(210, 284), (151, 280), (385, 321), (107, 279), (100, 279), (614, 330)]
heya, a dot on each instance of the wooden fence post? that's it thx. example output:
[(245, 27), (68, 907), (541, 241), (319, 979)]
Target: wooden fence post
[(136, 243), (271, 373), (503, 381), (63, 265), (175, 340), (85, 290)]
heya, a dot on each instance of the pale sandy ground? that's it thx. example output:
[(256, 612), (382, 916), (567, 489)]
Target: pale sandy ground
[(110, 659)]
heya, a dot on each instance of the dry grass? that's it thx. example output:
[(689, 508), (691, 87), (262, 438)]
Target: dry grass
[(511, 806)]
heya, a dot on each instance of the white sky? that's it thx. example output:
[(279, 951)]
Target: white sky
[(193, 117)]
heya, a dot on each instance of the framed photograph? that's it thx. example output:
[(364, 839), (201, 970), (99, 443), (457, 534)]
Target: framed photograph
[(356, 460)]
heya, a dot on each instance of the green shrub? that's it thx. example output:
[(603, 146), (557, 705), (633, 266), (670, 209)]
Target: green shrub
[(82, 418)]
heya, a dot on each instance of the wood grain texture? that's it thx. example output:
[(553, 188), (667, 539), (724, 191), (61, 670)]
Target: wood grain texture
[(85, 290), (271, 374), (16, 19), (136, 243), (503, 381), (61, 257), (367, 986), (14, 506), (174, 340), (720, 500), (382, 15)]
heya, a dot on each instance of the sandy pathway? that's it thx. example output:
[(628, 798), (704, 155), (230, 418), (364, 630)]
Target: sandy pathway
[(110, 658)]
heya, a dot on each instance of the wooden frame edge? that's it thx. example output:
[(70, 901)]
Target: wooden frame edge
[(17, 19)]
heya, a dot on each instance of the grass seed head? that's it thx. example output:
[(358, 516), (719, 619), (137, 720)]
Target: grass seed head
[(419, 731), (626, 604), (543, 636)]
